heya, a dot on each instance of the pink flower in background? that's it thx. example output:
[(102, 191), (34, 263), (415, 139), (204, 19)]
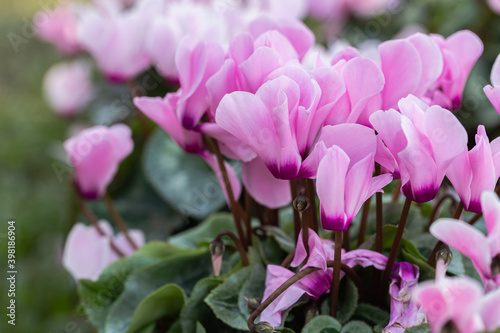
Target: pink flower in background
[(494, 5), (95, 154), (484, 251), (87, 253), (59, 27), (460, 52), (458, 305), (163, 112), (68, 87), (116, 40), (476, 171), (420, 143), (493, 91)]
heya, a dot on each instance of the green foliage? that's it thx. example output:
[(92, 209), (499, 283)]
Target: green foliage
[(356, 326), (371, 314), (322, 324), (183, 180), (422, 328)]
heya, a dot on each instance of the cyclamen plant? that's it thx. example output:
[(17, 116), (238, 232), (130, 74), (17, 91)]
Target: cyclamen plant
[(299, 148)]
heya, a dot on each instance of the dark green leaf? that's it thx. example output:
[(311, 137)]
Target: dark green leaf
[(184, 270), (374, 315), (183, 180), (348, 301), (196, 309), (165, 301), (224, 300), (322, 324), (356, 326), (253, 287)]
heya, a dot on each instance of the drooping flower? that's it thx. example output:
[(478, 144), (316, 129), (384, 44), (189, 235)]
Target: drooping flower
[(484, 251), (458, 305), (87, 253), (95, 154), (68, 88), (316, 283), (343, 186), (423, 142), (476, 171)]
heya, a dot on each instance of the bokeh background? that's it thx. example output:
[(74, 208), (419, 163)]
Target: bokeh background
[(32, 194)]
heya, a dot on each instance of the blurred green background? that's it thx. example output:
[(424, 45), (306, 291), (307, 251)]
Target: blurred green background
[(41, 204)]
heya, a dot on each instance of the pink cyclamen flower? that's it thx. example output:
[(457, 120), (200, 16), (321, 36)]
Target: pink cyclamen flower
[(493, 91), (116, 40), (316, 283), (476, 171), (277, 122), (96, 153), (87, 253), (420, 143), (494, 5), (458, 305), (68, 88), (484, 251), (343, 187), (59, 27), (460, 52)]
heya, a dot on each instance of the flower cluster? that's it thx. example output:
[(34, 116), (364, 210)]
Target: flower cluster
[(251, 84)]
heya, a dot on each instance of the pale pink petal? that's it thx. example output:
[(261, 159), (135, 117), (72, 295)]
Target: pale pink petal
[(263, 186), (357, 184), (259, 65), (493, 94), (230, 146), (490, 310), (233, 177), (491, 212)]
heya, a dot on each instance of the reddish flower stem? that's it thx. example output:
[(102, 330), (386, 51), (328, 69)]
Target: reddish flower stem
[(364, 221), (380, 217), (296, 215), (118, 220), (237, 242), (334, 294), (437, 206)]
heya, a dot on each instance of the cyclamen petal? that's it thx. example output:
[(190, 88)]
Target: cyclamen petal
[(96, 153)]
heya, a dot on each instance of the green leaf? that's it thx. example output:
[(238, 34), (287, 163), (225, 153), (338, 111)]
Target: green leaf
[(196, 310), (183, 180), (348, 301), (200, 328), (183, 269), (176, 327), (253, 287), (286, 243), (224, 300), (165, 301), (98, 296), (372, 314), (322, 324), (425, 270), (285, 330), (422, 328), (205, 232), (356, 326)]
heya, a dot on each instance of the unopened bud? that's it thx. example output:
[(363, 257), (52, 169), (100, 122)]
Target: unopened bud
[(217, 251), (301, 203), (444, 255), (253, 303), (264, 327)]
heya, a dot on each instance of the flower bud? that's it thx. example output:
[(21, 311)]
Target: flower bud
[(217, 251), (301, 203), (253, 303), (264, 327), (443, 260)]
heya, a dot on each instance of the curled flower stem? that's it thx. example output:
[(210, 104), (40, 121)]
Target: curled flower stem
[(95, 223), (276, 293), (337, 263), (437, 206), (380, 217), (397, 191), (475, 218), (237, 242), (234, 205), (118, 220), (397, 241), (351, 273), (432, 258), (364, 221)]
